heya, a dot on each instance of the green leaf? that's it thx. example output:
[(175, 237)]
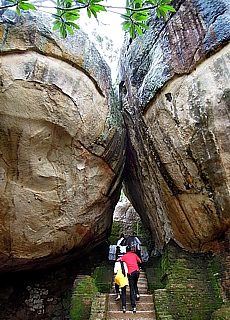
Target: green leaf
[(81, 1), (56, 16), (63, 30), (132, 32), (89, 13), (57, 25), (144, 26), (126, 25), (94, 13), (137, 4), (18, 11), (151, 2), (158, 12), (138, 30), (27, 6), (71, 15), (168, 8), (95, 1), (69, 29), (140, 17), (162, 2), (163, 13), (65, 3), (100, 7), (74, 25), (125, 17)]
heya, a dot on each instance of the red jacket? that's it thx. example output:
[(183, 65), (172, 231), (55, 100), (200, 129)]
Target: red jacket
[(131, 260)]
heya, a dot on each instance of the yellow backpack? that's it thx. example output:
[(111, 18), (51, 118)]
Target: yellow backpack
[(120, 279)]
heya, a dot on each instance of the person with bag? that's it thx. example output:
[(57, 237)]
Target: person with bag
[(137, 244), (120, 244), (132, 261), (121, 281)]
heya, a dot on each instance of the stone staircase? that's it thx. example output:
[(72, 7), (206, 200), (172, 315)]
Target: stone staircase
[(145, 306)]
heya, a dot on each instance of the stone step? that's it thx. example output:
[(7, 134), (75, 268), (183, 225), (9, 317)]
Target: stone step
[(142, 284), (79, 278), (142, 281), (145, 303), (142, 289), (148, 298), (140, 315), (145, 306)]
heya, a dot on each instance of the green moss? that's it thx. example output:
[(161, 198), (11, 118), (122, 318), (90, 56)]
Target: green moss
[(103, 276), (218, 265), (156, 275), (183, 284), (83, 295), (89, 288), (223, 313)]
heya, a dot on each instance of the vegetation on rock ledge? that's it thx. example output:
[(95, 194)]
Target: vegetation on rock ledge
[(68, 12)]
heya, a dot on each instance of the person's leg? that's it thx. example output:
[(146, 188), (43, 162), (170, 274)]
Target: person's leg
[(117, 291), (136, 277), (131, 287), (123, 298)]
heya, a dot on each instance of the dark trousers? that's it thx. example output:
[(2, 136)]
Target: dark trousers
[(138, 253), (123, 295), (133, 278)]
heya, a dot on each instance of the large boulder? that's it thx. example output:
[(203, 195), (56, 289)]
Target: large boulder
[(175, 91), (61, 144)]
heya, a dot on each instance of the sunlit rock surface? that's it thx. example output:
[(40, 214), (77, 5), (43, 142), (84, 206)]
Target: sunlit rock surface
[(61, 145), (175, 91)]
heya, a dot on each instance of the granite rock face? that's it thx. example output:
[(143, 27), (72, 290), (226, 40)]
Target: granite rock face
[(62, 145), (175, 92), (63, 140)]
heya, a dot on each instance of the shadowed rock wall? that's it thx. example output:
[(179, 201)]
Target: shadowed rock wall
[(174, 86), (61, 148)]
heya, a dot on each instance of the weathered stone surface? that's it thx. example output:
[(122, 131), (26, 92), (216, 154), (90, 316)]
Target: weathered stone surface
[(127, 216), (61, 147), (175, 91)]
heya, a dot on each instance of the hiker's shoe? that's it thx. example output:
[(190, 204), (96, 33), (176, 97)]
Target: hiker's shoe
[(118, 297), (124, 310), (137, 297), (134, 310)]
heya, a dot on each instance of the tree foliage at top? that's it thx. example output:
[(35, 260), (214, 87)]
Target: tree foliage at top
[(68, 12)]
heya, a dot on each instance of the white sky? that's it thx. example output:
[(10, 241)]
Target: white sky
[(108, 25), (110, 21)]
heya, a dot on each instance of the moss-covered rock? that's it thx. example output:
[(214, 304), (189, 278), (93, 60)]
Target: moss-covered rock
[(184, 285), (223, 313), (103, 276), (83, 296)]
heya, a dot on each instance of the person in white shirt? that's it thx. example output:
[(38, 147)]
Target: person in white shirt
[(120, 265), (120, 245)]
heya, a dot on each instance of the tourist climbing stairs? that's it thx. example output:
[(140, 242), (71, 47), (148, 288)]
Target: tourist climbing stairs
[(145, 306)]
